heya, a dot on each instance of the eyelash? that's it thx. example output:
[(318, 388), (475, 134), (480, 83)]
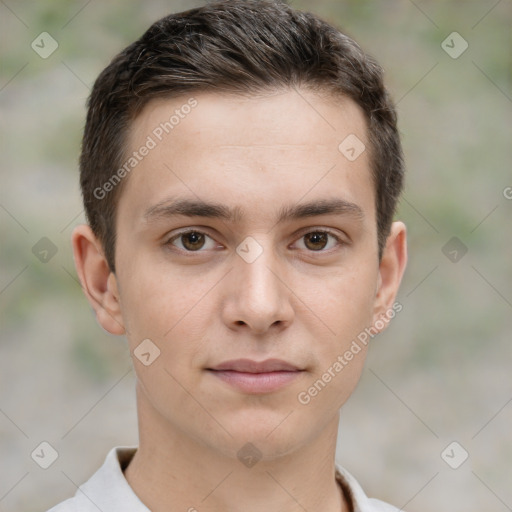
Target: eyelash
[(177, 236)]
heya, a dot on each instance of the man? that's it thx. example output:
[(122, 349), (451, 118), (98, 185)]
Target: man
[(240, 171)]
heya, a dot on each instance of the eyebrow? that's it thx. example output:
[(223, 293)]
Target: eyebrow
[(169, 208)]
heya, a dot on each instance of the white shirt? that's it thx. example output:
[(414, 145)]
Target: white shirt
[(108, 490)]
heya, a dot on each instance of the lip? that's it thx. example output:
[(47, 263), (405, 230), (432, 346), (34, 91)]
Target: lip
[(250, 366), (255, 377)]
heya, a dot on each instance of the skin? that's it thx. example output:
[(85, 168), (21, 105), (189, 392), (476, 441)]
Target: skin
[(301, 301)]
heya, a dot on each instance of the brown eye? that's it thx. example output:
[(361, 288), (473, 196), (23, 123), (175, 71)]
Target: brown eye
[(192, 241), (316, 240)]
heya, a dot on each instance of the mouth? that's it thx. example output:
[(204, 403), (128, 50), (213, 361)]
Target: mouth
[(255, 377)]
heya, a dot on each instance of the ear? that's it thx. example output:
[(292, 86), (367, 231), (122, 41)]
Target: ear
[(98, 282), (391, 270)]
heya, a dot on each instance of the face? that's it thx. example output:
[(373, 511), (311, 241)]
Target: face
[(245, 233)]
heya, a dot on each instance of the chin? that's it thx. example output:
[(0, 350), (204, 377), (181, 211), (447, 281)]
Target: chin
[(273, 439)]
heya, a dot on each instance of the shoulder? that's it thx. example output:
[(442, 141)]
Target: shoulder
[(380, 506), (74, 504), (107, 489), (65, 506), (78, 503)]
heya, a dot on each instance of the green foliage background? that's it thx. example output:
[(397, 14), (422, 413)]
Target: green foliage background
[(441, 372)]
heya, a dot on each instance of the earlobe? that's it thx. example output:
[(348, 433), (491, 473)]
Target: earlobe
[(391, 271), (98, 282)]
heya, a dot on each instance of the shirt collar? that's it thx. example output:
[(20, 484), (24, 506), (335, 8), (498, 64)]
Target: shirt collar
[(108, 488)]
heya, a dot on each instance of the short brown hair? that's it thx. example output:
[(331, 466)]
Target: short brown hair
[(238, 46)]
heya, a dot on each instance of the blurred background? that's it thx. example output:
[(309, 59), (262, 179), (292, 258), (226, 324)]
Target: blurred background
[(441, 372)]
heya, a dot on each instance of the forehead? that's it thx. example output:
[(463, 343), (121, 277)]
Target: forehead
[(279, 146)]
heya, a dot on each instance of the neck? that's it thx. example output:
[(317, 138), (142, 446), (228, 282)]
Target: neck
[(172, 471)]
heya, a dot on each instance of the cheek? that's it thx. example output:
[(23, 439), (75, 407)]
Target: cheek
[(172, 310), (332, 386), (155, 300), (345, 305), (346, 300)]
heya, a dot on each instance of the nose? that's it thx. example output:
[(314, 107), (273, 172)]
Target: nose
[(257, 298)]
